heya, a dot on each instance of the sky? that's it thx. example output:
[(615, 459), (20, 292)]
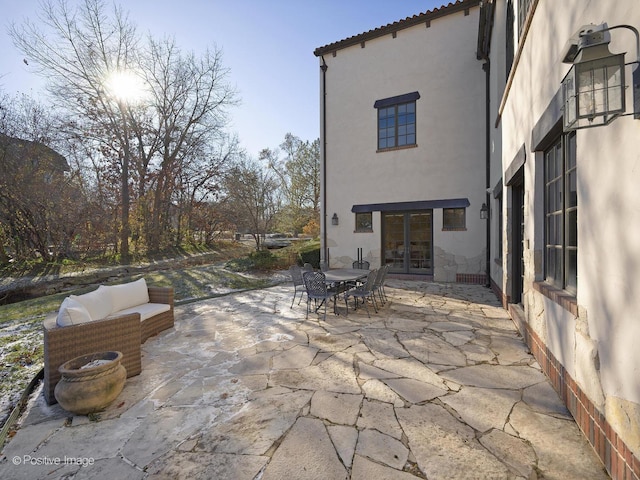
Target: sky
[(267, 45)]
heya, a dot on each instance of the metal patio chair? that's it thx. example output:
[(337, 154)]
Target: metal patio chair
[(378, 285), (364, 291), (298, 283), (361, 265), (316, 286)]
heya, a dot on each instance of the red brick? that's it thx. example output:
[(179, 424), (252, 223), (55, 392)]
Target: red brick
[(620, 446), (584, 422), (600, 444), (636, 466), (600, 420), (621, 468)]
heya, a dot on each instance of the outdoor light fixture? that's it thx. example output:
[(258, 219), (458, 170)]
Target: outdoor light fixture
[(334, 219), (484, 212), (594, 89)]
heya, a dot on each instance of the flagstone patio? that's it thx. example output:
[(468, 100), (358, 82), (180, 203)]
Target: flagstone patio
[(437, 385)]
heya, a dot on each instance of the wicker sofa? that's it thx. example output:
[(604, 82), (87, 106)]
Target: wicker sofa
[(119, 317)]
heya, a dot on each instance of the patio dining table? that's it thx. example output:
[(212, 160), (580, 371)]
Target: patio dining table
[(339, 280), (344, 275), (343, 278)]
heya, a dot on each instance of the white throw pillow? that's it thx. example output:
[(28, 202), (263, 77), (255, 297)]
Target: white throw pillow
[(72, 313), (98, 302), (129, 295)]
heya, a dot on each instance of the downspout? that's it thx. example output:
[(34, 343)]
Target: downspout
[(484, 48), (324, 253), (487, 70)]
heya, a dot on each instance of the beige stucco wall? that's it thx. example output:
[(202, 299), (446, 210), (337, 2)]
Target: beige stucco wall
[(498, 78), (599, 347), (449, 162)]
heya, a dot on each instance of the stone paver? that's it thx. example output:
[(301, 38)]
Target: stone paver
[(436, 385)]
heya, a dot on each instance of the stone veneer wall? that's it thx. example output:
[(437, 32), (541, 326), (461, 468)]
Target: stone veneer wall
[(502, 297), (617, 458), (449, 267)]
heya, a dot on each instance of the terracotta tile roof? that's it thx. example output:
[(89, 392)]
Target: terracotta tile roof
[(459, 5)]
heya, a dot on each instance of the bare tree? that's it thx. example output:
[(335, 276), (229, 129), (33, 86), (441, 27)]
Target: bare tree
[(252, 198), (143, 140), (199, 191), (40, 204), (299, 175), (190, 100), (77, 51)]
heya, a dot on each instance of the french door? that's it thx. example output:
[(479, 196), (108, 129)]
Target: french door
[(517, 235), (407, 241)]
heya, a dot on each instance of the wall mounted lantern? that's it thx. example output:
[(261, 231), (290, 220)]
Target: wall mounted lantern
[(594, 89), (484, 212), (334, 219)]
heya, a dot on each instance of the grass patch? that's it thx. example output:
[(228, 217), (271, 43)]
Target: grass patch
[(21, 336), (30, 310), (65, 266)]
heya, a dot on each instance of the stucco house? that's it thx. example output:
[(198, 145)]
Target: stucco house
[(402, 147), (17, 154), (530, 107), (565, 209)]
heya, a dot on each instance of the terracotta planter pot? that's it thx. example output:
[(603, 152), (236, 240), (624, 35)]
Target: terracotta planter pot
[(91, 382)]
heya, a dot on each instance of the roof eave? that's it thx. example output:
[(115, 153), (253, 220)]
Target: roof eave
[(408, 22)]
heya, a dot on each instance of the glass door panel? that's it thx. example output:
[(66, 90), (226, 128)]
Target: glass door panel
[(407, 242), (419, 242), (393, 242)]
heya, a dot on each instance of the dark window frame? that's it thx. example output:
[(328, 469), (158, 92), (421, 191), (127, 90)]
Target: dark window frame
[(396, 122), (365, 226), (500, 234), (509, 37), (560, 214), (523, 11), (454, 223)]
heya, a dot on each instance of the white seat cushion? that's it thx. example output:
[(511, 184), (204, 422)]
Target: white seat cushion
[(147, 310), (98, 303), (128, 295), (72, 313)]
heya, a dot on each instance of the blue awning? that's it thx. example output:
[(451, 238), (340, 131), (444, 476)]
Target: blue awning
[(406, 206)]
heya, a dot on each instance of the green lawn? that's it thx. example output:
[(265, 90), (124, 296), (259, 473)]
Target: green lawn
[(21, 345)]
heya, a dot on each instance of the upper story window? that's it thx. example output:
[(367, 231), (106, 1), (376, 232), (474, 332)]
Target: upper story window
[(509, 37), (513, 36), (523, 10), (397, 121)]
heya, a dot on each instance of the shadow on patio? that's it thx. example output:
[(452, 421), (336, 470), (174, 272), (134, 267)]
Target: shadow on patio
[(438, 384)]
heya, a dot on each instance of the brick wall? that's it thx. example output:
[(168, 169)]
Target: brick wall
[(473, 278)]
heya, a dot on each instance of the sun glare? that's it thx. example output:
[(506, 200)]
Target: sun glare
[(125, 86)]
